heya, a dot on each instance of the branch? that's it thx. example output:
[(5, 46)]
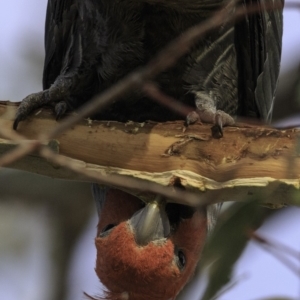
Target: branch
[(202, 171), (248, 161)]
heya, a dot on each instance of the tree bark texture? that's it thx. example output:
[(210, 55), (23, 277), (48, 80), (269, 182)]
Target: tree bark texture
[(247, 158)]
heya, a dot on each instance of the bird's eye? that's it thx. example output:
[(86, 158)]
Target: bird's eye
[(106, 230), (180, 259)]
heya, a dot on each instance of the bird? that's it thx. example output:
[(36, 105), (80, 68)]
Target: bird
[(149, 250), (145, 250), (91, 45)]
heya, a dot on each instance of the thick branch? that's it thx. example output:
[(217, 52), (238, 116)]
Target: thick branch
[(244, 160)]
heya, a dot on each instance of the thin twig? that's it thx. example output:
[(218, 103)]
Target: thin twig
[(152, 91), (279, 254), (19, 152), (276, 245), (23, 145)]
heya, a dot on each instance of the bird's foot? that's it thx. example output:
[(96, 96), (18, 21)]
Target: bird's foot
[(35, 101), (219, 118), (60, 109), (30, 103)]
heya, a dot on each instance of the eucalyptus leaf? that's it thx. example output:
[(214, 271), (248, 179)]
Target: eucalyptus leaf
[(227, 243)]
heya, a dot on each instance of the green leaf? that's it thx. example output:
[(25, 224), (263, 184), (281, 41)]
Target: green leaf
[(228, 242)]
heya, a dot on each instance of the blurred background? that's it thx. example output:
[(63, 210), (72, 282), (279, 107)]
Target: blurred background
[(47, 226)]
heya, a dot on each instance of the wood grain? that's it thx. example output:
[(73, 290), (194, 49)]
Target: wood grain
[(246, 159)]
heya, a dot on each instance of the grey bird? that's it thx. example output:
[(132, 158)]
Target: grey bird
[(92, 44)]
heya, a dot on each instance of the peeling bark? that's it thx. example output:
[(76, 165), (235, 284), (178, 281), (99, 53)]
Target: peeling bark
[(248, 161)]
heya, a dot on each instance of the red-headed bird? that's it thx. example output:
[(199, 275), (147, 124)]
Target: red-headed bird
[(146, 251)]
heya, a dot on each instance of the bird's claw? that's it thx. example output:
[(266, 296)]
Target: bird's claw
[(30, 103), (219, 118), (60, 109), (216, 131), (191, 118), (17, 120), (35, 101)]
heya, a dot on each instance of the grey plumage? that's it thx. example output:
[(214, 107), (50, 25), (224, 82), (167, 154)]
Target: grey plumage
[(91, 44), (258, 43)]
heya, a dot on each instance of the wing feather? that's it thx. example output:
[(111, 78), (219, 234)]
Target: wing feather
[(57, 27), (258, 41)]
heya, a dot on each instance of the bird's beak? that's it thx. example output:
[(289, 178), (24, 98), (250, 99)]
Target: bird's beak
[(150, 223)]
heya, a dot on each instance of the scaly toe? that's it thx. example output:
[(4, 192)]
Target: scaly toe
[(60, 109)]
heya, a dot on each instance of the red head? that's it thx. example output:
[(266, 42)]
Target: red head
[(155, 266)]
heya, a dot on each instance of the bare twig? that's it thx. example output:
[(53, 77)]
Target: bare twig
[(23, 145), (156, 94), (276, 245), (279, 251), (19, 152)]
